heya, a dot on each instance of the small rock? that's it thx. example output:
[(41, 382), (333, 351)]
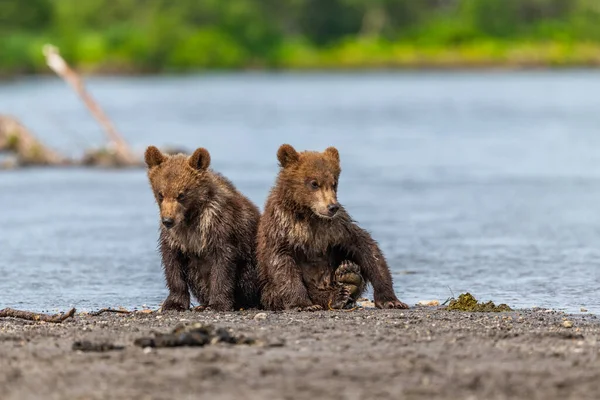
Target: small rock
[(568, 324), (147, 350), (366, 304), (583, 309), (428, 303), (260, 316)]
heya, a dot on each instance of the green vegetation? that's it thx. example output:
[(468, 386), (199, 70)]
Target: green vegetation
[(466, 302), (167, 35)]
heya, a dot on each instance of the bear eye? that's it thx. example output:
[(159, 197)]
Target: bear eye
[(180, 196), (160, 197), (314, 184)]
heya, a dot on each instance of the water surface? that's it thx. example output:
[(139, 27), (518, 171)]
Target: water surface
[(480, 182)]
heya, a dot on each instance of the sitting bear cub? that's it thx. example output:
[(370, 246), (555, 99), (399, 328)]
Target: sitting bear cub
[(207, 234), (311, 254)]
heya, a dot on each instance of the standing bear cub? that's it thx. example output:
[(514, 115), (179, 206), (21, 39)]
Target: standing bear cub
[(207, 234), (311, 254)]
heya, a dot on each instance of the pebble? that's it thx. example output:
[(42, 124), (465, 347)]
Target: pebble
[(366, 304), (568, 324), (583, 309), (147, 350), (260, 316)]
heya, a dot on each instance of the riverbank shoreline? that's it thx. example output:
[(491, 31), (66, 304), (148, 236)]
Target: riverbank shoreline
[(425, 68), (421, 353)]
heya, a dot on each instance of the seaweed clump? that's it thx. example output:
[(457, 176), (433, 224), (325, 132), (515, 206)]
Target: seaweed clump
[(466, 302)]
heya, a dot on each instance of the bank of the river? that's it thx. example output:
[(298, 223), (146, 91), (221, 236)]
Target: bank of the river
[(413, 354), (351, 55), (483, 54)]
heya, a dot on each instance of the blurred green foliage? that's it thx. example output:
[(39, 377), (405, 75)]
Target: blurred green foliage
[(182, 35)]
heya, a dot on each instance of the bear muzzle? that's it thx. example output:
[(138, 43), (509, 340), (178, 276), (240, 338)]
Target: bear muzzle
[(168, 222), (332, 209)]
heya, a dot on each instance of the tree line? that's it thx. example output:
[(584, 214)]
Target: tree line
[(167, 35)]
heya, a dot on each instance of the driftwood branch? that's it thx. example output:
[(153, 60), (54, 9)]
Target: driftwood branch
[(31, 316), (109, 310), (62, 69)]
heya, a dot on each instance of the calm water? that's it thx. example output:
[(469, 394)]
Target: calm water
[(481, 182)]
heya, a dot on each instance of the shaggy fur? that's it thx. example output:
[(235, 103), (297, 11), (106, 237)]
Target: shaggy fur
[(305, 236), (207, 235)]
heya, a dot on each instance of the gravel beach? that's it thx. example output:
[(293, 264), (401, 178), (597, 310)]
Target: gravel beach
[(421, 353)]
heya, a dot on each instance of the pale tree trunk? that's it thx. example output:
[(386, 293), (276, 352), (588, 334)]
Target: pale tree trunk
[(123, 154)]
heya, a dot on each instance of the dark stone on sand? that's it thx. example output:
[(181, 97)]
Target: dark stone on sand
[(194, 335), (87, 346)]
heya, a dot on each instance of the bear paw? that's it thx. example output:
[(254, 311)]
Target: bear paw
[(348, 275), (390, 304), (175, 304)]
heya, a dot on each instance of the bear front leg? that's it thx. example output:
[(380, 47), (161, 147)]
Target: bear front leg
[(284, 288), (374, 269), (174, 263), (222, 281)]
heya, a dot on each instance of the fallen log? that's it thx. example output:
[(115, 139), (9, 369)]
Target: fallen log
[(27, 149)]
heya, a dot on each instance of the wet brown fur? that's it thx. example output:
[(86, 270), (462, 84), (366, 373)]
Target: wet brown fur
[(211, 249), (300, 248)]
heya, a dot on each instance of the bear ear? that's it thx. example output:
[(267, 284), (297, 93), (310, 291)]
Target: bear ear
[(200, 160), (287, 155), (332, 153), (153, 157)]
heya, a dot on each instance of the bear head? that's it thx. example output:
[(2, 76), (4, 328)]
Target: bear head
[(310, 179), (179, 183)]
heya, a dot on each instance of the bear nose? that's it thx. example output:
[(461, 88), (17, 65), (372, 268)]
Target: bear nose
[(168, 222), (333, 208)]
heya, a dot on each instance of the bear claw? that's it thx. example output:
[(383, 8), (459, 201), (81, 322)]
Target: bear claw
[(171, 304), (311, 308), (348, 275), (392, 304)]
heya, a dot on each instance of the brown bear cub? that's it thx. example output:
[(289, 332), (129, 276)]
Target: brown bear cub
[(207, 234), (311, 254)]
